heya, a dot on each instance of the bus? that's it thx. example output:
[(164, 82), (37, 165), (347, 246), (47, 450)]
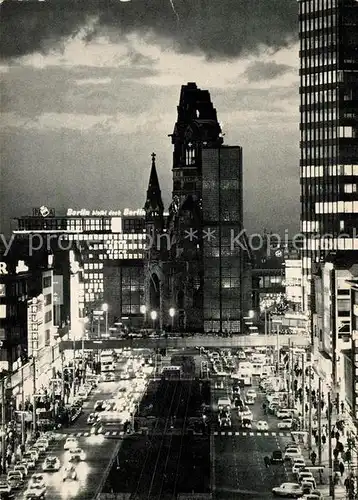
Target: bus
[(107, 362), (171, 372), (244, 372)]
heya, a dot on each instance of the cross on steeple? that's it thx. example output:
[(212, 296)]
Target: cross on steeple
[(153, 158)]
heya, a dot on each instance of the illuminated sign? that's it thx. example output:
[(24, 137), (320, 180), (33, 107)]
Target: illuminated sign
[(43, 211), (21, 267), (134, 213), (32, 327), (84, 212), (3, 268)]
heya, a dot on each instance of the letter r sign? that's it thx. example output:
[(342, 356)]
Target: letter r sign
[(3, 268)]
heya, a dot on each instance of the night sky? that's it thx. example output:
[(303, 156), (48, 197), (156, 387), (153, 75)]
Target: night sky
[(90, 89)]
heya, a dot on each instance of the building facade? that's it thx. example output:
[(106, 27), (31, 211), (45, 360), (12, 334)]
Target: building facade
[(329, 128), (101, 236)]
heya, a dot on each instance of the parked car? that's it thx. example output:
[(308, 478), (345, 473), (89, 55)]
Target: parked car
[(30, 459), (283, 413), (21, 468), (5, 487), (292, 453), (298, 464), (38, 479), (92, 418), (285, 424), (35, 491), (15, 479), (288, 490)]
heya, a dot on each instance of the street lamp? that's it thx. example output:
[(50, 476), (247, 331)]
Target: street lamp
[(153, 315), (105, 310), (172, 314), (143, 310)]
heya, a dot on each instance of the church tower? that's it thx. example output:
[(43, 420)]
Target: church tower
[(154, 275)]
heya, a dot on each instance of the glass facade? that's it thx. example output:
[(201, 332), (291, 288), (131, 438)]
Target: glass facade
[(222, 222), (329, 125)]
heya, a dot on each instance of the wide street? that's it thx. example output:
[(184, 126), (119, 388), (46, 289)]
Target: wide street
[(239, 471), (98, 449)]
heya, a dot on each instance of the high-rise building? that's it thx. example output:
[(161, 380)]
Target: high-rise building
[(329, 128), (223, 255)]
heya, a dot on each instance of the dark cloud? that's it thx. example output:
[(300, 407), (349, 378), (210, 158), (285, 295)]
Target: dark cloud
[(265, 70), (219, 28)]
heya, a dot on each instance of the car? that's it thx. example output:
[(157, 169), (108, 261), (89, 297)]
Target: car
[(99, 406), (35, 491), (30, 459), (262, 425), (21, 468), (5, 487), (76, 454), (288, 490), (282, 413), (37, 479), (15, 479), (251, 393), (51, 464), (307, 477), (246, 423), (69, 472), (42, 442), (298, 464), (292, 444), (285, 424), (314, 495), (34, 452), (276, 457), (292, 453), (70, 443)]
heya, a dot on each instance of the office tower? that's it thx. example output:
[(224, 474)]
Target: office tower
[(223, 255), (329, 128)]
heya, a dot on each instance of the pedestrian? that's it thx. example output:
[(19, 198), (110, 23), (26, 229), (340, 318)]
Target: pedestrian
[(313, 458), (342, 406), (324, 439), (337, 436), (267, 461), (341, 468)]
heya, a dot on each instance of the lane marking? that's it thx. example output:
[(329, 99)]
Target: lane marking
[(273, 433), (244, 434), (86, 434), (266, 434), (114, 433), (258, 434), (237, 433), (216, 433), (251, 433), (223, 433), (229, 433), (107, 433)]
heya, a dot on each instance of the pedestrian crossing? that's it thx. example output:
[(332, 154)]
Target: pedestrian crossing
[(252, 434), (87, 434)]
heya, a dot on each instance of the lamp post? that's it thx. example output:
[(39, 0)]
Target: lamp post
[(143, 310), (172, 314), (105, 309), (153, 315)]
